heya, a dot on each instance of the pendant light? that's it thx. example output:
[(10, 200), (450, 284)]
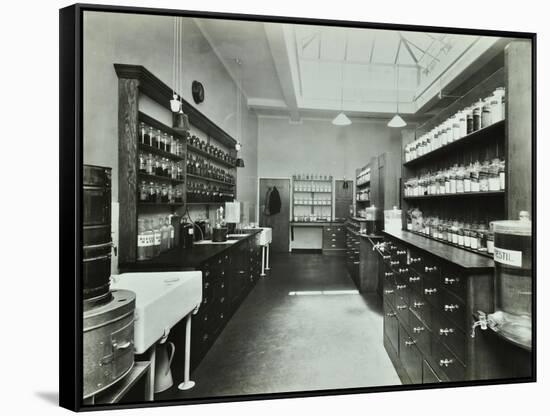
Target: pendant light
[(397, 121), (341, 119), (180, 120)]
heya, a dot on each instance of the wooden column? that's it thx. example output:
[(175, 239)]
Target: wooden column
[(128, 98), (519, 118)]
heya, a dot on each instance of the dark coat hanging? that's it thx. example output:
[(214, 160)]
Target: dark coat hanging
[(272, 201)]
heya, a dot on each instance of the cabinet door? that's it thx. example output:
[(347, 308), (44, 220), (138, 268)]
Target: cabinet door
[(410, 356), (391, 326)]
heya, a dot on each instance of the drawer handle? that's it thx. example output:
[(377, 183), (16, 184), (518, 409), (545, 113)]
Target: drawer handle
[(206, 274), (221, 315), (388, 274), (418, 329), (450, 308), (410, 343), (206, 285), (223, 273), (388, 291), (391, 315), (414, 279), (205, 337), (400, 253), (430, 269), (394, 263), (445, 362), (386, 257), (401, 307), (356, 262), (446, 331), (418, 304), (222, 300), (450, 281), (404, 270), (415, 260), (400, 287), (121, 346), (430, 291)]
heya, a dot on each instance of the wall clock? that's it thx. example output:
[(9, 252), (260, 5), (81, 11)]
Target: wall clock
[(198, 92)]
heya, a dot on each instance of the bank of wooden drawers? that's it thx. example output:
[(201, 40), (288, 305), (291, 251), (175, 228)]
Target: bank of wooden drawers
[(428, 299), (334, 237)]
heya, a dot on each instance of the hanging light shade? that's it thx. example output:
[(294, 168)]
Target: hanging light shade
[(397, 121), (341, 120), (240, 163)]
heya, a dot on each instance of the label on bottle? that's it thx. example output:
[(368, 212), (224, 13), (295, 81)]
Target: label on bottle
[(474, 242), (171, 233), (142, 240), (490, 246), (190, 232), (502, 181), (454, 238), (460, 240), (157, 238), (509, 257), (467, 241), (467, 185), (494, 183), (475, 186)]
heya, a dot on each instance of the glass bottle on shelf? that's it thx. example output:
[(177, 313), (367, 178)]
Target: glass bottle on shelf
[(150, 239), (142, 163), (469, 120), (143, 134), (447, 174), (152, 195), (484, 177), (467, 233), (149, 139), (482, 232), (468, 178), (476, 167), (460, 234), (143, 191), (171, 194), (494, 178), (486, 115), (156, 237), (474, 237), (141, 241), (460, 180), (491, 239), (502, 174), (171, 241), (164, 235), (167, 143)]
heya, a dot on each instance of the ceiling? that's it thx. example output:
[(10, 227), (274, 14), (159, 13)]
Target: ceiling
[(304, 70)]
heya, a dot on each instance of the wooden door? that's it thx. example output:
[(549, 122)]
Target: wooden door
[(278, 222), (343, 198)]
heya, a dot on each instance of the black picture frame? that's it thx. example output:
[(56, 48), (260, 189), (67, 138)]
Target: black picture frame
[(70, 185)]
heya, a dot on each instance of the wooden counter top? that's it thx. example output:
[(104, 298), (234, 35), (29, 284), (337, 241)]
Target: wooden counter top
[(455, 255), (181, 259)]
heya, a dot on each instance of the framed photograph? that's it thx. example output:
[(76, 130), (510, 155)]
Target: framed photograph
[(259, 207)]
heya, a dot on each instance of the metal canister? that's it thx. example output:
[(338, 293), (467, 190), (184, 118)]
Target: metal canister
[(108, 342), (96, 233)]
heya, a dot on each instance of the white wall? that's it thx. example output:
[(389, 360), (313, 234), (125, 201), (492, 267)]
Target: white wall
[(147, 40), (317, 146)]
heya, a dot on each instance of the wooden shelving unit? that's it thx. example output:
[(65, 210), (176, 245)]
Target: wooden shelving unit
[(457, 196), (134, 80), (204, 178), (307, 189)]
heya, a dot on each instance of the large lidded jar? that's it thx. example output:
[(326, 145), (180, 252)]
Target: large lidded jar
[(513, 265), (513, 277)]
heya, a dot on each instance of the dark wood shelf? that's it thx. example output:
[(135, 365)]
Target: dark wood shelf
[(213, 158), (363, 184), (150, 121), (312, 192), (312, 205), (206, 203), (477, 136), (157, 90), (362, 201), (146, 176), (312, 180), (459, 195), (204, 178), (150, 149)]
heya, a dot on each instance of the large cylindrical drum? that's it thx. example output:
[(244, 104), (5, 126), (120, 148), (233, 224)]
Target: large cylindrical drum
[(108, 342), (513, 267), (96, 236)]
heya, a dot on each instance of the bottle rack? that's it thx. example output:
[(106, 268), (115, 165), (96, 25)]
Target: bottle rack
[(312, 198), (134, 81), (450, 214)]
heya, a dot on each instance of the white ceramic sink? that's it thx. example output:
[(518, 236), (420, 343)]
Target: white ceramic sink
[(162, 300)]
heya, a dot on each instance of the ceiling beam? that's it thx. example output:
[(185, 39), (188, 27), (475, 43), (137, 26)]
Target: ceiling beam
[(405, 42), (279, 52)]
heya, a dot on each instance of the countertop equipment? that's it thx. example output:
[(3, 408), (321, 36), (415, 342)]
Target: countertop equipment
[(374, 220)]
